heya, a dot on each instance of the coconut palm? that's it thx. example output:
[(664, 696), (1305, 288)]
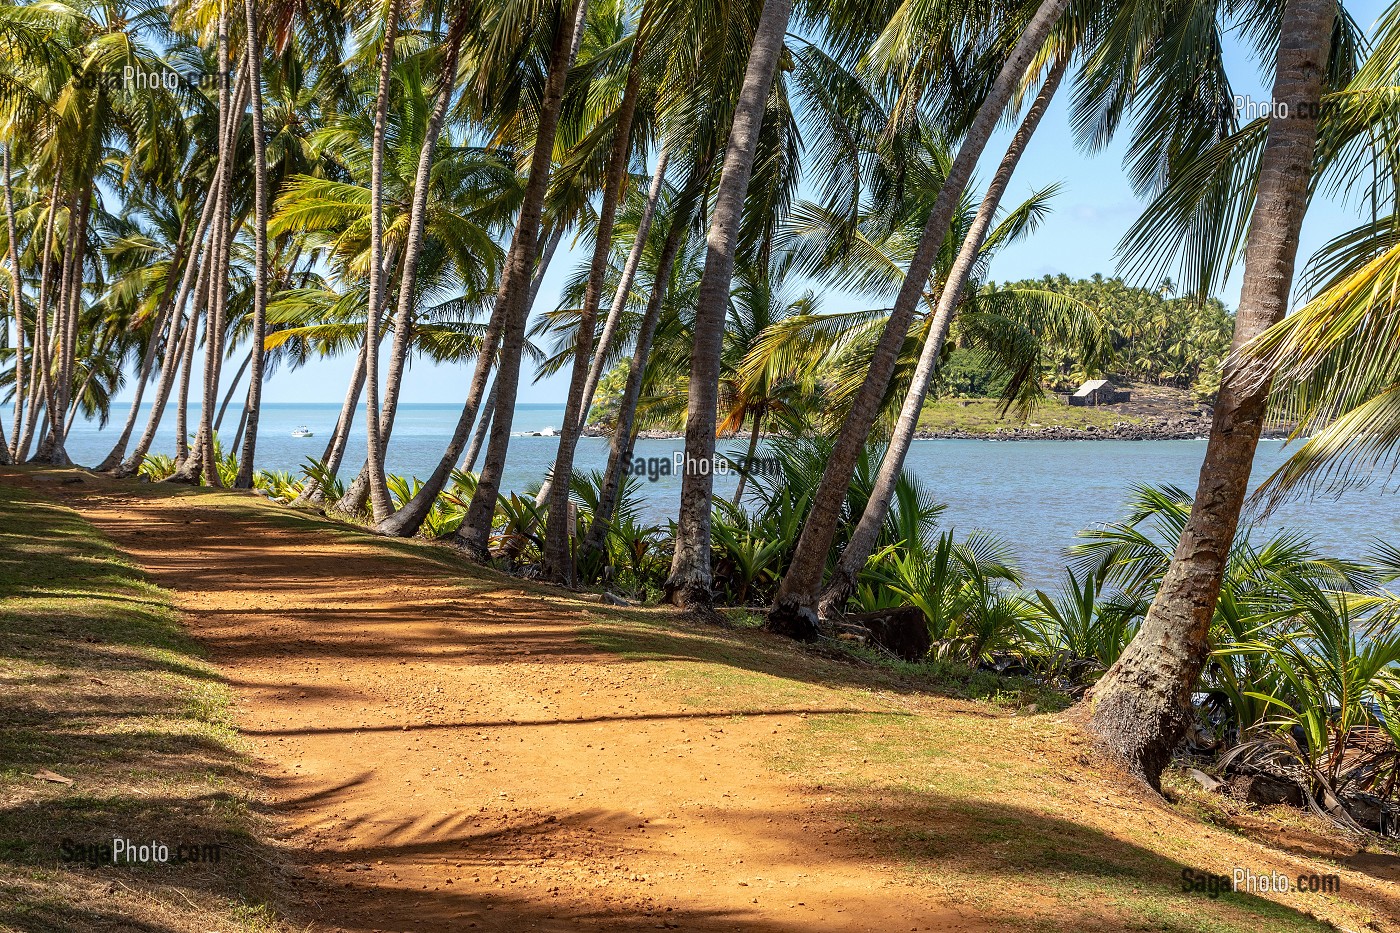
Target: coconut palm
[(1139, 709), (689, 583), (794, 609), (506, 329)]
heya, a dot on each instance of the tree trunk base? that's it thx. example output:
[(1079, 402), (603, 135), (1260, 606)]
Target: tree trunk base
[(399, 525), (692, 597), (1138, 729), (834, 598), (793, 620), (464, 545), (187, 473)]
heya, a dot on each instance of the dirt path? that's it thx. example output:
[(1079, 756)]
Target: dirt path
[(448, 754)]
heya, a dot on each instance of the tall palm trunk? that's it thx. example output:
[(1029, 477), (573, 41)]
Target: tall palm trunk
[(1141, 707), (794, 610), (253, 408), (867, 531), (163, 321), (199, 316), (16, 304), (515, 285), (354, 499), (378, 487), (624, 286), (66, 331), (191, 282), (483, 428), (57, 350), (754, 437), (174, 354), (511, 301), (558, 565), (232, 388), (40, 361), (624, 436), (231, 104), (551, 246), (688, 585)]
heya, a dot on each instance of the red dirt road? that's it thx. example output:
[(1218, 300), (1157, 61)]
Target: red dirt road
[(445, 753)]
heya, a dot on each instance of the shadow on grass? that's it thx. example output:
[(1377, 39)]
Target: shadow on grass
[(100, 684)]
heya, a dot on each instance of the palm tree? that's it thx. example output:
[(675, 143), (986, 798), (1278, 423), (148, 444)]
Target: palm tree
[(253, 408), (1334, 362), (378, 490), (624, 432), (688, 585), (16, 304), (862, 543), (794, 609), (1139, 708), (506, 330), (557, 563)]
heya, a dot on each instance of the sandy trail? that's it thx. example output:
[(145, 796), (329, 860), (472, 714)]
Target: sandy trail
[(447, 754)]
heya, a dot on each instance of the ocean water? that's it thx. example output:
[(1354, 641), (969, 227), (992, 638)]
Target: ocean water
[(1035, 494)]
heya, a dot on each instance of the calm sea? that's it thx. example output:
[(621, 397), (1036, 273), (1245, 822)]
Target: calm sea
[(1036, 494)]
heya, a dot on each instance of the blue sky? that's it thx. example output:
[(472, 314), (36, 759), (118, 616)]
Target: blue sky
[(1095, 207)]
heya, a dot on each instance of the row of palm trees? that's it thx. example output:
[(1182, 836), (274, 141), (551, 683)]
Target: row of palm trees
[(392, 179)]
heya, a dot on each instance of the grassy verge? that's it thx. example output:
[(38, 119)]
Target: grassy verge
[(983, 416), (102, 687), (971, 785)]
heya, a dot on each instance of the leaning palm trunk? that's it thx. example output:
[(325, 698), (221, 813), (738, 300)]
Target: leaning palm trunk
[(511, 302), (558, 564), (252, 408), (1141, 707), (551, 246), (70, 306), (867, 532), (181, 336), (688, 585), (16, 304), (221, 248), (233, 388), (623, 433), (754, 436), (199, 316), (483, 427), (43, 372), (354, 500), (794, 610), (164, 320), (476, 528), (378, 487), (204, 259), (624, 286)]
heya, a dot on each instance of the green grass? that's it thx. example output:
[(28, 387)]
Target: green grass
[(103, 686), (983, 416), (972, 787)]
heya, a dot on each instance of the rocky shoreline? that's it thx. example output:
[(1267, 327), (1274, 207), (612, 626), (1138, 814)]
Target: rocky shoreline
[(1152, 429)]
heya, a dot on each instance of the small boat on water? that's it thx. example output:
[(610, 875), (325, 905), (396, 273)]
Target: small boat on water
[(302, 431)]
